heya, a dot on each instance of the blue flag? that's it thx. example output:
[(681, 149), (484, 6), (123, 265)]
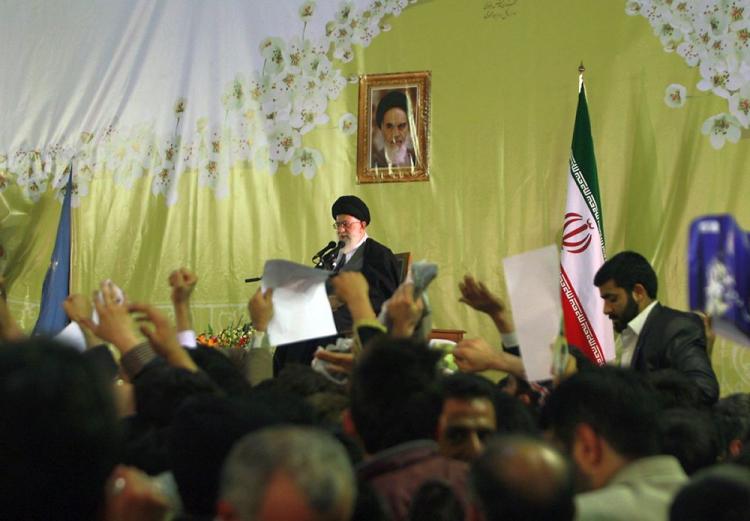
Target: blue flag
[(52, 318)]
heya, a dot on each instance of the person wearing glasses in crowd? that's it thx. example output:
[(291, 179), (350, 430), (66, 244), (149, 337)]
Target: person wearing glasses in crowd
[(361, 253)]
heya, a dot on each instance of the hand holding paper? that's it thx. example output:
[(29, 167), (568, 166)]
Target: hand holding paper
[(300, 304)]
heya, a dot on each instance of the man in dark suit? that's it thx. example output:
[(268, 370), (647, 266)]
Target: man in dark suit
[(359, 253), (653, 337)]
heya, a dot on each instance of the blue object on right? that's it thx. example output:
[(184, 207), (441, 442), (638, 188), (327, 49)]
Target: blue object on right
[(719, 274)]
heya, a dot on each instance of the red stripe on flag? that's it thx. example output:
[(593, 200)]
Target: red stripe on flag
[(578, 330)]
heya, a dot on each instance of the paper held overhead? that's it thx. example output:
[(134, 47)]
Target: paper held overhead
[(533, 281), (300, 302)]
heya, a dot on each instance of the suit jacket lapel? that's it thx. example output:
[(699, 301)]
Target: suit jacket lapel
[(646, 333)]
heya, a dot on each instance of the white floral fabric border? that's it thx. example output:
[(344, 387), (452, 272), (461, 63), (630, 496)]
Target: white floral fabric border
[(713, 35), (266, 113)]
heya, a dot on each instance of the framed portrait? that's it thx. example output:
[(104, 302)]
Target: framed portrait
[(393, 127)]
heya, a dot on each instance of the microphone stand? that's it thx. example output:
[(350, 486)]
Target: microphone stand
[(329, 258)]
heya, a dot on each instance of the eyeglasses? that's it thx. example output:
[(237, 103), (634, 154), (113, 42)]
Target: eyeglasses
[(344, 224)]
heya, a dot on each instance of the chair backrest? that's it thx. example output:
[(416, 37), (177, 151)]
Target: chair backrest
[(404, 263)]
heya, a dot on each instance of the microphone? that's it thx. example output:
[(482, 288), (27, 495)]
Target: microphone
[(316, 257), (329, 258)]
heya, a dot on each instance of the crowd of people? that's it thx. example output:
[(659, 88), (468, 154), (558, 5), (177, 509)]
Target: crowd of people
[(151, 426)]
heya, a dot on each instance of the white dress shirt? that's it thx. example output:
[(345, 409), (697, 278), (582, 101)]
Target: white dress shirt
[(629, 335)]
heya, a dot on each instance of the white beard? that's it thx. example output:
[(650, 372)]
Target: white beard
[(397, 155)]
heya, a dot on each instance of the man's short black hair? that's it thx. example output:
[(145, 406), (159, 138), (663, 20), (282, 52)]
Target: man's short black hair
[(395, 394), (435, 500), (205, 428), (395, 99), (691, 436), (627, 269), (618, 404), (220, 369), (160, 389), (59, 439), (466, 387), (512, 416), (719, 493), (732, 415), (676, 389)]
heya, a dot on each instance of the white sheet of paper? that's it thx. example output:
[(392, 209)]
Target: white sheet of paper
[(72, 336), (300, 304), (533, 281)]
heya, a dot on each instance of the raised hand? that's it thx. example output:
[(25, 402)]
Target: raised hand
[(78, 308), (260, 308), (475, 355), (337, 362), (162, 336), (182, 282), (476, 295), (351, 287), (133, 496), (115, 325), (404, 312)]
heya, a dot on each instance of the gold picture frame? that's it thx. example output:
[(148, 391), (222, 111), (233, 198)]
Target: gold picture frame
[(393, 127)]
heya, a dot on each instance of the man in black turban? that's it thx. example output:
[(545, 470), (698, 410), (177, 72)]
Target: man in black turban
[(361, 253)]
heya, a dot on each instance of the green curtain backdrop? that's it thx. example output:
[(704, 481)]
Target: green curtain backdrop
[(504, 90)]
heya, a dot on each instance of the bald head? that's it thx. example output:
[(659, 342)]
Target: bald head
[(522, 478)]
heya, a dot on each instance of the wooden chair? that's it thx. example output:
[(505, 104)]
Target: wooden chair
[(404, 263), (453, 335)]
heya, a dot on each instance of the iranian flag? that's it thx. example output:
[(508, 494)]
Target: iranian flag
[(583, 252)]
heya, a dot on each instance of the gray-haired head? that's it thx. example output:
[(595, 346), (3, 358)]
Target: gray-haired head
[(309, 460)]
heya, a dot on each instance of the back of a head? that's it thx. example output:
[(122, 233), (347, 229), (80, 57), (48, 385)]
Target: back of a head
[(395, 394), (203, 432), (617, 403), (743, 458), (59, 439), (521, 390), (329, 407), (521, 478), (690, 436), (160, 390), (513, 417), (304, 381), (311, 460), (222, 371), (466, 386), (627, 269), (676, 389), (436, 501), (732, 414), (719, 493)]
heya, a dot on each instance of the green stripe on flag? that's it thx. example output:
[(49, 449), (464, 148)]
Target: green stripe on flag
[(583, 154)]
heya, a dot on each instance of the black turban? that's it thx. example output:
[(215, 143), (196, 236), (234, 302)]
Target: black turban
[(351, 205), (394, 99)]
